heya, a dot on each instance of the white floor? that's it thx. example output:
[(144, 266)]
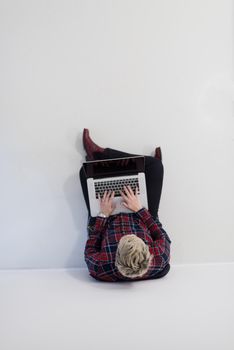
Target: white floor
[(191, 308)]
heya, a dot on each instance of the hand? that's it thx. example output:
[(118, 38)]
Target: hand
[(131, 200), (106, 203)]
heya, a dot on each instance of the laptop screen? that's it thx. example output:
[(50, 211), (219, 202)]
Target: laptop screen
[(114, 167)]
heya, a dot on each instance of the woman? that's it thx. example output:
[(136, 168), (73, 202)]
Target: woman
[(126, 246)]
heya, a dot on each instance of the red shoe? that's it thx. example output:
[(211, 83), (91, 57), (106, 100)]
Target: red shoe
[(89, 146), (158, 153)]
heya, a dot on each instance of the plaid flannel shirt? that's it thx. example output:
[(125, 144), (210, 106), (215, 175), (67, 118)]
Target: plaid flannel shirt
[(105, 233)]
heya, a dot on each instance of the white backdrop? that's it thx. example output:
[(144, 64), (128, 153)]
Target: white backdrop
[(138, 74)]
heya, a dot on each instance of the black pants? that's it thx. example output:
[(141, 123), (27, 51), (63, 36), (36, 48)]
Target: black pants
[(153, 175)]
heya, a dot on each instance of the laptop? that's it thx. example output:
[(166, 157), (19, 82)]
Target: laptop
[(113, 174)]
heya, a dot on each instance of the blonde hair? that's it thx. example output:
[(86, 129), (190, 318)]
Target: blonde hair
[(133, 257)]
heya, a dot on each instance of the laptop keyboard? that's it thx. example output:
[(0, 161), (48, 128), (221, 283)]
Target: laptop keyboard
[(115, 185)]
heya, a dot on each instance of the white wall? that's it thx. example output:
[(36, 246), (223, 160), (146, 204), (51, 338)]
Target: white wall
[(137, 73)]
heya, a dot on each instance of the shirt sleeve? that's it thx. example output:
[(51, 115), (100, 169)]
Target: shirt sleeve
[(153, 225), (93, 255), (161, 241)]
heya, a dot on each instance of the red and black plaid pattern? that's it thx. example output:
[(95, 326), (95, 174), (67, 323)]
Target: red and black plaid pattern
[(105, 233)]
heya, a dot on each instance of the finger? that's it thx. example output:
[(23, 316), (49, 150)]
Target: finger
[(99, 197), (109, 198), (123, 195), (113, 194), (104, 196), (126, 188), (130, 190)]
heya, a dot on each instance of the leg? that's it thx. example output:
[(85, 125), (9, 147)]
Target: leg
[(153, 171), (110, 153)]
